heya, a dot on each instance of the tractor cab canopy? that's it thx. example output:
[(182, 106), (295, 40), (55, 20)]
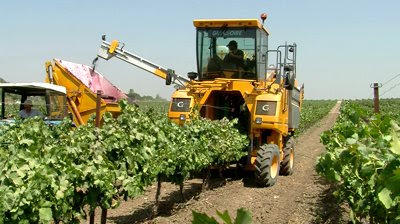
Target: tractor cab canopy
[(48, 99), (234, 49)]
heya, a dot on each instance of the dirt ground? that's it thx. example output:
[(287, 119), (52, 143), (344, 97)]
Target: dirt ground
[(301, 198)]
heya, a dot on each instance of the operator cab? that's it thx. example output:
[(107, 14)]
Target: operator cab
[(233, 49), (48, 99)]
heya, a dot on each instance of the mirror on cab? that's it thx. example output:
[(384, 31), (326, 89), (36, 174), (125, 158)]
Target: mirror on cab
[(289, 77), (192, 75)]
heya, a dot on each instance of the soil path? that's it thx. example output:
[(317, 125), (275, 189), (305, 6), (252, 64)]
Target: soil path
[(300, 198)]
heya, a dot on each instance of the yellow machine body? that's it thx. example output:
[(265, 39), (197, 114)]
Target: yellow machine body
[(269, 128), (81, 100)]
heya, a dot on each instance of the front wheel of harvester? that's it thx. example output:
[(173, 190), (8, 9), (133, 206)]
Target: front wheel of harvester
[(267, 165), (288, 158)]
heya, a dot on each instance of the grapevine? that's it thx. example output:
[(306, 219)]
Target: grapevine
[(363, 159), (50, 173)]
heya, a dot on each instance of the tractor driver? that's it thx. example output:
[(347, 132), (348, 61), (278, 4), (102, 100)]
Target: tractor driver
[(28, 111), (235, 57)]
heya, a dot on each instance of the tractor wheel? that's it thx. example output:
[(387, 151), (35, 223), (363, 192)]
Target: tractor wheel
[(267, 165), (288, 158)]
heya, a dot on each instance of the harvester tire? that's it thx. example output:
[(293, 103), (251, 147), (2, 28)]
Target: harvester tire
[(288, 158), (267, 165)]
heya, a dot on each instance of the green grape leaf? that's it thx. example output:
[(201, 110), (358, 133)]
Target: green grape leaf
[(395, 148), (243, 217), (45, 215), (384, 197), (225, 217), (202, 218), (27, 142)]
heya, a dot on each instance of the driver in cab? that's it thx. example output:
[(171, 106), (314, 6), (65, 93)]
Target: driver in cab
[(235, 57), (28, 111)]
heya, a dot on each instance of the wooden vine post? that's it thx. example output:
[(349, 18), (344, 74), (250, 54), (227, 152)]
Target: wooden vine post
[(376, 87), (97, 123)]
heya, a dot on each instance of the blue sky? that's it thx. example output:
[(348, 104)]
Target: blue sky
[(343, 46)]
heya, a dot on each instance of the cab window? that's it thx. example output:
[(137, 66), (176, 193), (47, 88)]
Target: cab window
[(226, 53), (12, 104)]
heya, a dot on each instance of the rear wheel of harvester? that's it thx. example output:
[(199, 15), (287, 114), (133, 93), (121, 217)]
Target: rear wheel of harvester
[(288, 158), (267, 165)]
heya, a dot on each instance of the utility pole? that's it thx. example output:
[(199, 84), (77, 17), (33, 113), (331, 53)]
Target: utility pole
[(376, 87)]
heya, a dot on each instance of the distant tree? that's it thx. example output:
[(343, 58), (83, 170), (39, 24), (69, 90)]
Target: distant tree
[(2, 80), (132, 95), (158, 97), (137, 97), (147, 98)]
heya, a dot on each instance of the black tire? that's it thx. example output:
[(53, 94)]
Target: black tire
[(267, 165), (287, 164)]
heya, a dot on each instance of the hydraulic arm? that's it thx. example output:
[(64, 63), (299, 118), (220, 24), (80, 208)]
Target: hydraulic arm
[(115, 49)]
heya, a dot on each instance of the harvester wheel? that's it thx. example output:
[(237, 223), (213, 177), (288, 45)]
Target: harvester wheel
[(288, 158), (267, 165)]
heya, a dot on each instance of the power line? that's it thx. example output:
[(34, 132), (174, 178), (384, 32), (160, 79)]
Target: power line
[(391, 88), (390, 79), (394, 77)]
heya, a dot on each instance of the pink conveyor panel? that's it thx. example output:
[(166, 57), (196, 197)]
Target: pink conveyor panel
[(93, 80)]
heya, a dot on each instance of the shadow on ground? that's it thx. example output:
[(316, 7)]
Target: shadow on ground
[(173, 201), (327, 207)]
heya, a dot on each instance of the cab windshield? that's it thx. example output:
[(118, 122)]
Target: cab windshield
[(226, 53), (46, 104)]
